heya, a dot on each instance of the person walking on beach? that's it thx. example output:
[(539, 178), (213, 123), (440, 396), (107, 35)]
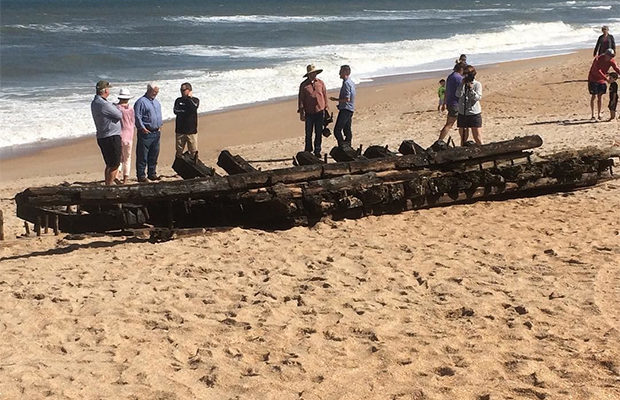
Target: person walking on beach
[(604, 42), (107, 120), (346, 107), (128, 123), (312, 105), (597, 78), (186, 124), (469, 93), (148, 123), (452, 101)]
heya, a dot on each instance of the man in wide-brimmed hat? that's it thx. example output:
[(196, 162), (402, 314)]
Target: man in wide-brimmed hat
[(312, 101)]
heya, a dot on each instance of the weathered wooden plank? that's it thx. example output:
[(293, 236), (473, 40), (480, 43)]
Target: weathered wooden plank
[(456, 154), (233, 164), (345, 153), (307, 158), (189, 166), (411, 147), (378, 152)]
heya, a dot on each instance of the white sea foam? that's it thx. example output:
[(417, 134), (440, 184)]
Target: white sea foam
[(65, 112), (367, 15), (60, 28)]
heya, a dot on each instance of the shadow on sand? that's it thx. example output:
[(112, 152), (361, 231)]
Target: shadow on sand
[(75, 246)]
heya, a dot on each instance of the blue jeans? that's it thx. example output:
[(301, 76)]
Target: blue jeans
[(314, 122), (343, 123), (147, 152)]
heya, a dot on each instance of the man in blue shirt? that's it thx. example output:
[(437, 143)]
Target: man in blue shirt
[(452, 82), (148, 123), (107, 120), (346, 107)]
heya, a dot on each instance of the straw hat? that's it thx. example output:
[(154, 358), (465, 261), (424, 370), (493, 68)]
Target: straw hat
[(124, 94), (310, 69)]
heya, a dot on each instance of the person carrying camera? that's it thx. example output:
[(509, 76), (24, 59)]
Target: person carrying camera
[(312, 105), (469, 93)]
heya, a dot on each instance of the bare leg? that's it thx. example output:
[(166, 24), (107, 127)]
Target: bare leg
[(592, 104), (446, 128), (464, 133), (477, 132), (110, 175), (599, 100)]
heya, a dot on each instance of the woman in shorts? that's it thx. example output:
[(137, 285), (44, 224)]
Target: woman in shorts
[(469, 93)]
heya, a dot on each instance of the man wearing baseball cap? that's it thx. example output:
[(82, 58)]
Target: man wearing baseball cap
[(107, 120), (597, 78)]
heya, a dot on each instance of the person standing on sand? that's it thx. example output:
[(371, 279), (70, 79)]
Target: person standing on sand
[(597, 78), (452, 102), (128, 123), (346, 107), (148, 122), (312, 105), (107, 120), (469, 93), (441, 93), (604, 42), (186, 124)]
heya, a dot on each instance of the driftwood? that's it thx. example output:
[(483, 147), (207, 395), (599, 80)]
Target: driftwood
[(233, 164), (345, 153), (410, 147), (303, 195), (378, 152), (307, 158), (453, 158), (189, 166)]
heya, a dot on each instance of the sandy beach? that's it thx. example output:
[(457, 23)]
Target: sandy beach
[(493, 300)]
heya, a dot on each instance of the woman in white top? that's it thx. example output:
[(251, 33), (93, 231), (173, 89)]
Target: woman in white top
[(469, 93)]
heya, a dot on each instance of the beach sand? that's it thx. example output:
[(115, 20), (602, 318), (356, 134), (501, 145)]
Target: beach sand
[(516, 299)]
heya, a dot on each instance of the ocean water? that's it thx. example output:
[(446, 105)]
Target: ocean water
[(237, 52)]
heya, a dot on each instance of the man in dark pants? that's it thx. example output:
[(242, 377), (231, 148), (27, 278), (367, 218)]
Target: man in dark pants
[(107, 120), (186, 124), (148, 123), (312, 105), (346, 107)]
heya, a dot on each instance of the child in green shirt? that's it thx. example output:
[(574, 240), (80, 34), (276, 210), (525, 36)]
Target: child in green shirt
[(441, 92)]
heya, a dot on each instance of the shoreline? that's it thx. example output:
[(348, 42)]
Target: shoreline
[(240, 125), (11, 152)]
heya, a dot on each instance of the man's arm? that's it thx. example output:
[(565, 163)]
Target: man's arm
[(139, 110), (324, 90), (300, 103), (176, 109), (598, 44), (111, 111), (614, 65)]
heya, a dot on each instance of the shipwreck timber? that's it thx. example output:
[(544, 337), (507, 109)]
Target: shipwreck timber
[(378, 183)]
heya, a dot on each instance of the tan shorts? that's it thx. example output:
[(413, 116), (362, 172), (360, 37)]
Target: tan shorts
[(190, 140)]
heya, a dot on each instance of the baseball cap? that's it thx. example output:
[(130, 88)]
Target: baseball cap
[(102, 85), (610, 52)]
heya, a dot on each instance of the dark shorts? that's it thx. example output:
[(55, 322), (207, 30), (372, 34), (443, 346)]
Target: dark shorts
[(453, 111), (469, 121), (597, 88), (111, 150)]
